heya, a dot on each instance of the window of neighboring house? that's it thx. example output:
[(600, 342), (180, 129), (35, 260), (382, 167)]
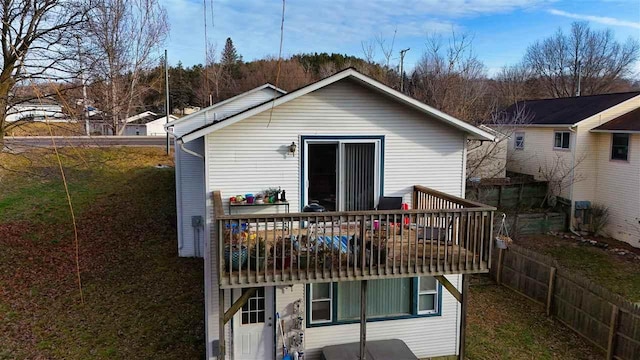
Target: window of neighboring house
[(561, 139), (519, 141), (620, 147), (386, 299), (321, 296)]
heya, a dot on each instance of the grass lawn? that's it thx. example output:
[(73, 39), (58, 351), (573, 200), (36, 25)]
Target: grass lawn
[(140, 299), (619, 274), (505, 325)]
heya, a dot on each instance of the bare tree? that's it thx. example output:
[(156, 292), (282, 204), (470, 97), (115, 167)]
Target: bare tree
[(451, 78), (593, 56), (561, 173), (36, 38), (513, 84), (123, 38), (489, 159)]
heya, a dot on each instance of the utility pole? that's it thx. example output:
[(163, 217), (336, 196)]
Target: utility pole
[(85, 110), (402, 53), (579, 77), (166, 85)]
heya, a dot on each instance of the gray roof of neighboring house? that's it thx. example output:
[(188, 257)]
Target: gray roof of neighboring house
[(629, 122), (146, 119), (567, 111)]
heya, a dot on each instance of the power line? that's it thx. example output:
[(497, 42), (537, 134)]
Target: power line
[(273, 103)]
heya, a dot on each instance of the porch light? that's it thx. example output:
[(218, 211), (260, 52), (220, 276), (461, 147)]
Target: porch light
[(292, 148)]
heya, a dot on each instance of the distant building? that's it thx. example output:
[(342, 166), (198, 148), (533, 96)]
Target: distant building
[(37, 111), (147, 123)]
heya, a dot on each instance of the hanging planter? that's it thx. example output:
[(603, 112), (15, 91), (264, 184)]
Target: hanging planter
[(502, 238)]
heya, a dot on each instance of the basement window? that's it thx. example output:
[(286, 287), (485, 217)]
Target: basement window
[(620, 147), (561, 140)]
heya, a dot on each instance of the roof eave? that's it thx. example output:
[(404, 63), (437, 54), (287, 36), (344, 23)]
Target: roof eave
[(474, 132)]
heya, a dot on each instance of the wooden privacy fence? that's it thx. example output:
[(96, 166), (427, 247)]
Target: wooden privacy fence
[(533, 223), (528, 194), (606, 320)]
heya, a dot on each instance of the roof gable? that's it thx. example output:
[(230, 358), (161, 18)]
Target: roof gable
[(353, 75), (185, 119), (567, 111), (628, 122)]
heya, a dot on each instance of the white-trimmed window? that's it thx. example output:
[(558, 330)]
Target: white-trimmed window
[(562, 140), (620, 147), (519, 141), (321, 303), (427, 295)]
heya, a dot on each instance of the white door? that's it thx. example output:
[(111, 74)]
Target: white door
[(253, 326)]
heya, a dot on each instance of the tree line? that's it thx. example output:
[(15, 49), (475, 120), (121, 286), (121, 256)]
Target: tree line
[(106, 55)]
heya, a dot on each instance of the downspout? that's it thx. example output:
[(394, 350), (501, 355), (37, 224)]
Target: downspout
[(573, 171), (190, 152)]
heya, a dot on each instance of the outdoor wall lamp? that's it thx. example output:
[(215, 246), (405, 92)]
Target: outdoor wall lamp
[(292, 148)]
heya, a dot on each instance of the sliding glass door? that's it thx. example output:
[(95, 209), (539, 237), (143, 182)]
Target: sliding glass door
[(342, 174)]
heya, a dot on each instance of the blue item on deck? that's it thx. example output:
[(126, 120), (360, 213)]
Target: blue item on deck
[(340, 243)]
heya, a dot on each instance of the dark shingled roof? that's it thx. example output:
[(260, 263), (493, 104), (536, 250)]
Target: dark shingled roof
[(626, 122), (568, 111)]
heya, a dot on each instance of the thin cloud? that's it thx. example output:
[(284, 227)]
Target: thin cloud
[(597, 19)]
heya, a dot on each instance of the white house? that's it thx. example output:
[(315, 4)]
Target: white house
[(588, 147), (353, 144), (37, 111), (147, 123), (488, 159)]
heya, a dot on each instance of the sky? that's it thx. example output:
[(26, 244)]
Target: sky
[(501, 29)]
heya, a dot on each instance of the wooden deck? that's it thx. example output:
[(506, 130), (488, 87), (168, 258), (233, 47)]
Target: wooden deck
[(275, 249)]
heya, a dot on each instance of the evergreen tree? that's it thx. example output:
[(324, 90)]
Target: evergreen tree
[(230, 60)]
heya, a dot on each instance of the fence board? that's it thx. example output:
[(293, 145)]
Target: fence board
[(580, 304)]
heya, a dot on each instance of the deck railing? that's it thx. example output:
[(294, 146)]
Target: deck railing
[(443, 234)]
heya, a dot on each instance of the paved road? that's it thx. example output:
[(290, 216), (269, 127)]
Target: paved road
[(61, 141)]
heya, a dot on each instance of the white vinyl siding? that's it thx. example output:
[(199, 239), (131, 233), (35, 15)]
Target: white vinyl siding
[(539, 157), (618, 188), (251, 155)]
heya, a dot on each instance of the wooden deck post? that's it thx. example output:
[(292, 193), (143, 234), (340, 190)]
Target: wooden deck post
[(613, 328), (363, 320), (551, 288), (221, 339), (463, 315)]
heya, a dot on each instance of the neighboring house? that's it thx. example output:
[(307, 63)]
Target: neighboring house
[(588, 147), (352, 143), (37, 111), (147, 123), (487, 159)]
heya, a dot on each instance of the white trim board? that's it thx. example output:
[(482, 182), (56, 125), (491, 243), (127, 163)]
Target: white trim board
[(475, 132)]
